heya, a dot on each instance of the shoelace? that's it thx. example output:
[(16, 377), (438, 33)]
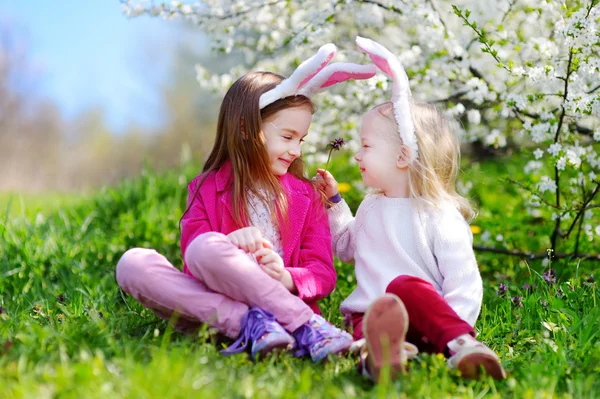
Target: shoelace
[(253, 327)]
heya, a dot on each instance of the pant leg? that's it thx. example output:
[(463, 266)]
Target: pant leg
[(224, 268), (429, 314), (151, 279)]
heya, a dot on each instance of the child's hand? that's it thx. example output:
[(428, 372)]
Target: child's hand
[(272, 264), (249, 239), (326, 183)]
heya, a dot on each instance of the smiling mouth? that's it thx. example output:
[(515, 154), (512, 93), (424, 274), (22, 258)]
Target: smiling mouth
[(285, 161)]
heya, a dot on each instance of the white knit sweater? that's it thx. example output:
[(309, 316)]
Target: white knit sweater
[(400, 236)]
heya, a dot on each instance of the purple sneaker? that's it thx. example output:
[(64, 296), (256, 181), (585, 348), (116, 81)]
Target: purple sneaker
[(265, 333), (318, 338)]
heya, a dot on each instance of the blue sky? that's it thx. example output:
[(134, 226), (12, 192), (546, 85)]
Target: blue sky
[(91, 54)]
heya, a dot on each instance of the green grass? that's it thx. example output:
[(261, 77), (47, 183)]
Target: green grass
[(66, 331)]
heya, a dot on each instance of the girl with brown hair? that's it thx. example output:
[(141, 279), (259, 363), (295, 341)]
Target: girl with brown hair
[(255, 237)]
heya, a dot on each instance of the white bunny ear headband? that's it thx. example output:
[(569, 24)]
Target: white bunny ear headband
[(314, 76), (389, 64)]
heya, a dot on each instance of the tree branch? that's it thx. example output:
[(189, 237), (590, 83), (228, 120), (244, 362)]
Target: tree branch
[(583, 208), (594, 89), (432, 3), (556, 231), (532, 192), (388, 8)]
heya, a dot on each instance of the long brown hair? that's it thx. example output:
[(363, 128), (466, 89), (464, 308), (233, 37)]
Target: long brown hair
[(240, 140)]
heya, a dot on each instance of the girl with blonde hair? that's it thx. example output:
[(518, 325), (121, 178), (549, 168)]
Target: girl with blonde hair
[(418, 284)]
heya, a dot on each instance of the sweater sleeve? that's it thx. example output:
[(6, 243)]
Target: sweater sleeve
[(342, 225), (315, 276), (195, 220), (462, 286)]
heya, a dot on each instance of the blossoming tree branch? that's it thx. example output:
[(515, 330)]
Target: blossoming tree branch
[(519, 74)]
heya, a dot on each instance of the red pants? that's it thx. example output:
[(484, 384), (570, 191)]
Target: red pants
[(433, 323)]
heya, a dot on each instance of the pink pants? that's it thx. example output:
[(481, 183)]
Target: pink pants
[(227, 283), (432, 322)]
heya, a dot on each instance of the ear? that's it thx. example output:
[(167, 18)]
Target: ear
[(303, 74), (335, 73), (404, 157), (388, 63)]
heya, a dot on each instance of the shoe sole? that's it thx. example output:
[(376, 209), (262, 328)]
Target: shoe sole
[(471, 364), (275, 347), (385, 325)]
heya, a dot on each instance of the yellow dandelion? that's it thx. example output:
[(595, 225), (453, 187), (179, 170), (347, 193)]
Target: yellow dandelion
[(344, 187), (475, 229)]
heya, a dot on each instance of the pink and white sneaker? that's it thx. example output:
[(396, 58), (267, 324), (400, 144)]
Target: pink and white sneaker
[(470, 356)]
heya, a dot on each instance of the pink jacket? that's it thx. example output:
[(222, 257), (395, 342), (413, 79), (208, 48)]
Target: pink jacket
[(306, 242)]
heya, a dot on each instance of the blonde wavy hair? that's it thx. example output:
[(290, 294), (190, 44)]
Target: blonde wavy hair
[(432, 177)]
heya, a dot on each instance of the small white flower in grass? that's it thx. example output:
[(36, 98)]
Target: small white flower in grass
[(555, 149), (561, 163), (592, 176), (597, 230), (554, 215), (538, 153), (597, 135), (499, 237)]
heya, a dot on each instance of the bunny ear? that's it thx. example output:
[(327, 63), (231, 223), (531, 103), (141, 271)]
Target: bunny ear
[(335, 73), (303, 74), (389, 64)]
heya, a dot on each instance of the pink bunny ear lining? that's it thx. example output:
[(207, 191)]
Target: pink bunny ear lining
[(379, 61), (323, 65), (342, 76)]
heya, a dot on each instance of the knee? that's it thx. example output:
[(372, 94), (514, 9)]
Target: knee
[(205, 248), (404, 285), (131, 265)]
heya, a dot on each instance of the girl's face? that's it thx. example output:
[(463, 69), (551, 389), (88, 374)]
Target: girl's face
[(378, 156), (285, 132)]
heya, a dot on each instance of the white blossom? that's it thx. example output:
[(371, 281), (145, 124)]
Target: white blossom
[(538, 153), (547, 184), (555, 149), (474, 116)]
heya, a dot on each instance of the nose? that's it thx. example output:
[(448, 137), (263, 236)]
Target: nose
[(295, 150), (358, 156)]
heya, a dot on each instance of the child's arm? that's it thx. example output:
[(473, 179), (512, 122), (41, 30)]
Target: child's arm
[(453, 248), (340, 217), (314, 276), (195, 221)]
